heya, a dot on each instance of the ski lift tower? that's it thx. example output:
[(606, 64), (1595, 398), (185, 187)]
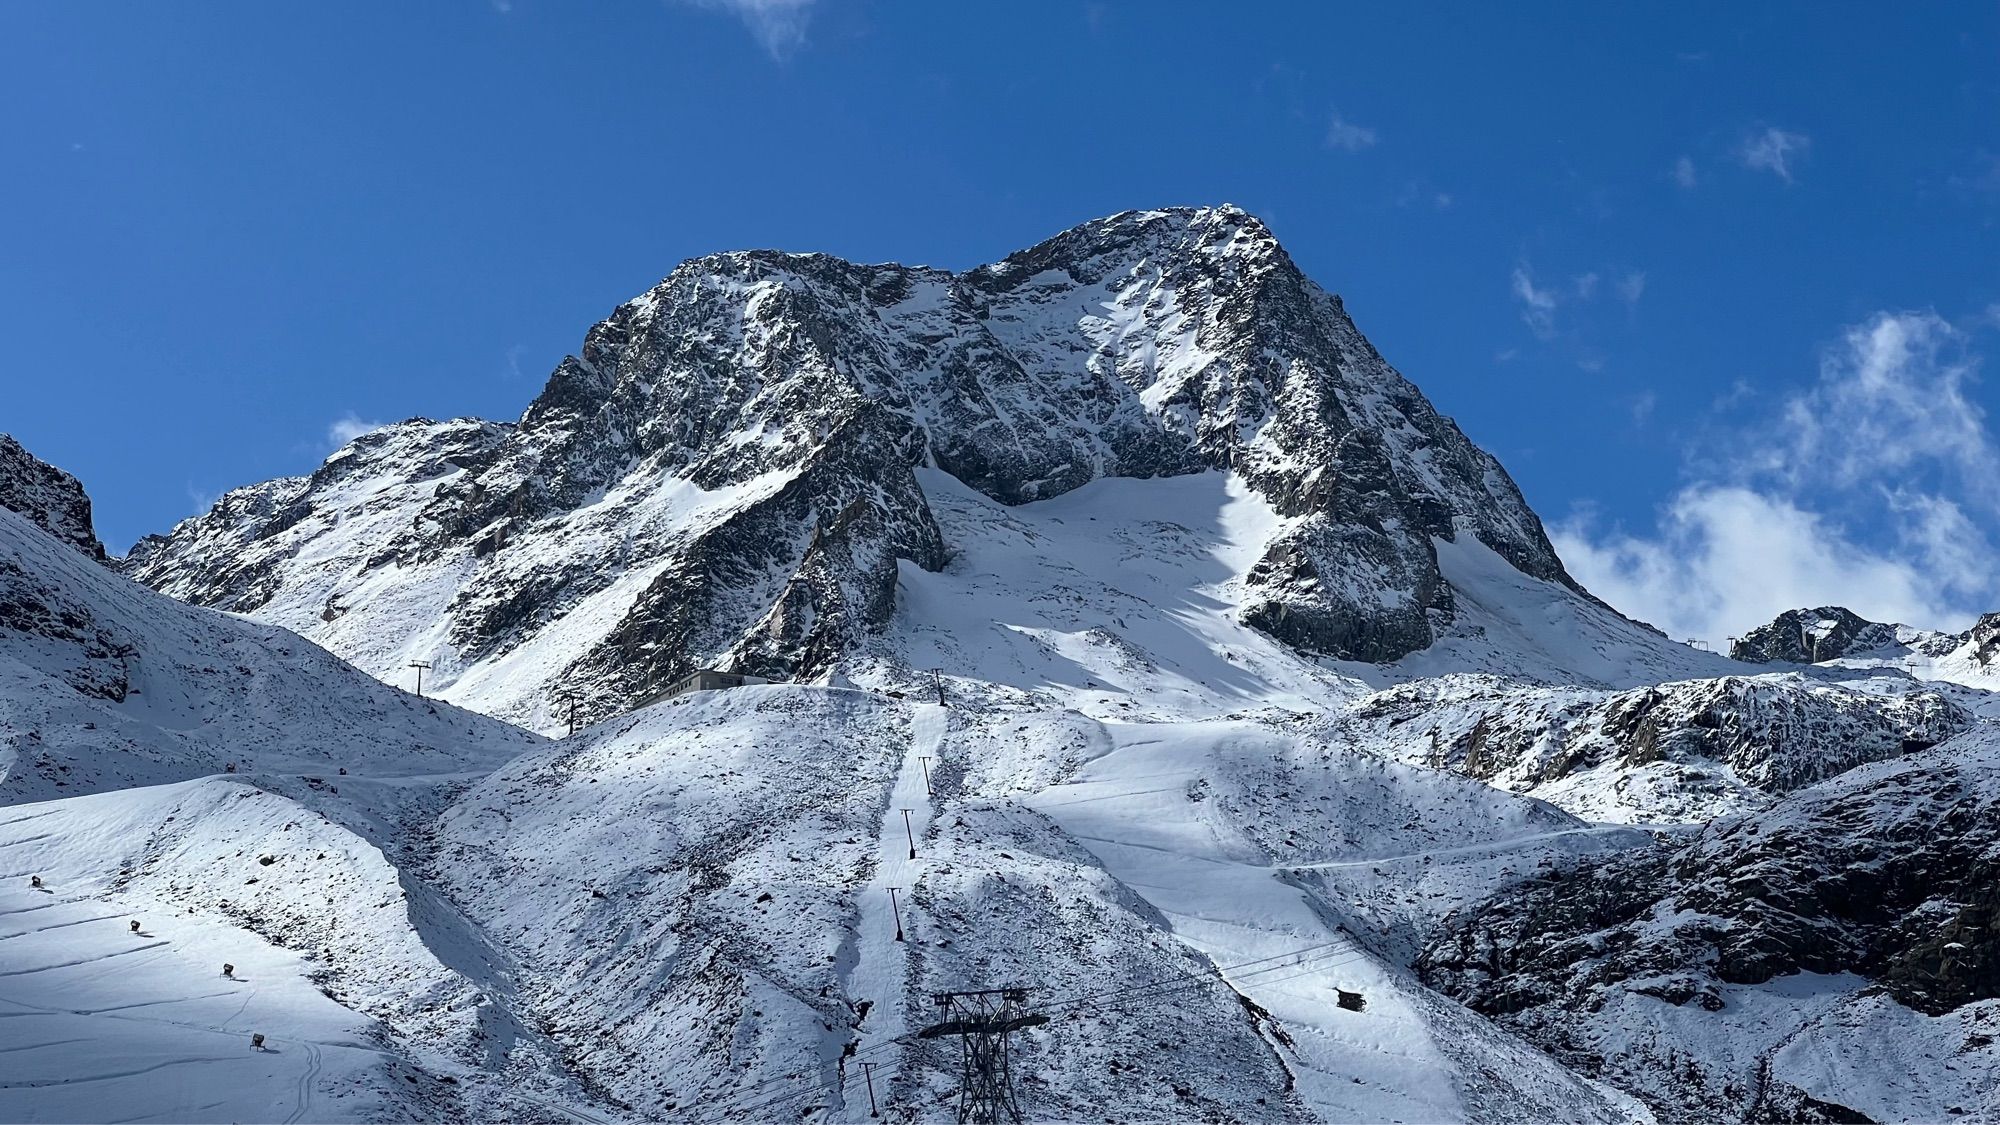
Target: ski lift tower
[(983, 1021)]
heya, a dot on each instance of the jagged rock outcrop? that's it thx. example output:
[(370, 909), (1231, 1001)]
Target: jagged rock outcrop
[(1886, 872), (1803, 636), (1675, 751), (49, 497), (1809, 636), (725, 473)]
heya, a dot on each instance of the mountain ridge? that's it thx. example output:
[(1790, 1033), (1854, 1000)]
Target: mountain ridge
[(725, 467)]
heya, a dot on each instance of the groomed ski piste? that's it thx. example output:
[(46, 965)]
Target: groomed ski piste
[(107, 1023)]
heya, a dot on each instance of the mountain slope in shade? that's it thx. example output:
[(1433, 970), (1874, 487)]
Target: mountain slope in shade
[(248, 799), (726, 474)]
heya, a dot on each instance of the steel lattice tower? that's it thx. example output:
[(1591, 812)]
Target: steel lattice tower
[(982, 1021)]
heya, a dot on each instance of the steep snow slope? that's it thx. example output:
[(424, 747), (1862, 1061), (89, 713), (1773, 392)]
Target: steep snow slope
[(1123, 599), (377, 997), (347, 966), (105, 684), (726, 474)]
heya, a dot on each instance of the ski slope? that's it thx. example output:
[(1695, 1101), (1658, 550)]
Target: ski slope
[(105, 1024)]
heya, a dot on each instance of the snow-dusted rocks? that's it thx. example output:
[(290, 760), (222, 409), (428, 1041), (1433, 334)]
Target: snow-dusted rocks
[(1809, 636), (725, 474), (1741, 970), (1682, 751), (1168, 655), (697, 900), (105, 684), (49, 497)]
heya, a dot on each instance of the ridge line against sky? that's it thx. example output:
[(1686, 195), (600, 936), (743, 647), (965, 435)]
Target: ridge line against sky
[(242, 235)]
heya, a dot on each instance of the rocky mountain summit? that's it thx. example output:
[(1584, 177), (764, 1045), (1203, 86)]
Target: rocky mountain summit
[(1808, 636), (49, 497), (1835, 635), (724, 475)]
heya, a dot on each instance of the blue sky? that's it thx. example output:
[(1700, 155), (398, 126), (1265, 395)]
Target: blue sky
[(1714, 283)]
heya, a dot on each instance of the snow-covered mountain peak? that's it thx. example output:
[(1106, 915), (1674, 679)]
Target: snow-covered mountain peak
[(726, 472)]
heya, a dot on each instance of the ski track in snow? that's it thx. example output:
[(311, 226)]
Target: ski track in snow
[(882, 966), (73, 992)]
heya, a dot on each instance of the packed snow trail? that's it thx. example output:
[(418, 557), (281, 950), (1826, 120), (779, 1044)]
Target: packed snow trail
[(881, 972), (100, 1023), (1221, 901)]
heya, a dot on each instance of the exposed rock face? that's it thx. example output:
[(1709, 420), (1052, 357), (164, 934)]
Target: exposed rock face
[(724, 474), (1809, 636), (1887, 872), (1818, 635), (1676, 751), (48, 496)]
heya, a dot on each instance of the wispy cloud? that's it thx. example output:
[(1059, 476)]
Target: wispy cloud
[(779, 26), (1877, 488), (1344, 134), (1538, 305), (347, 427), (1643, 406), (1774, 150), (1684, 173), (1631, 287)]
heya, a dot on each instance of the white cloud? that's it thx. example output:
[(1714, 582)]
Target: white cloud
[(1684, 173), (1727, 558), (1891, 396), (1632, 286), (1538, 306), (1344, 134), (1586, 286), (1774, 150), (779, 26), (347, 427), (1886, 440), (1643, 407)]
